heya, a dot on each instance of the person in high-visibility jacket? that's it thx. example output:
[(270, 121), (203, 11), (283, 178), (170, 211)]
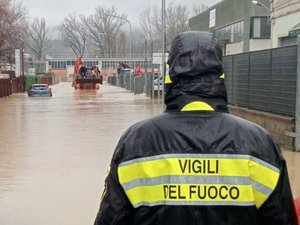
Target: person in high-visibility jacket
[(196, 163)]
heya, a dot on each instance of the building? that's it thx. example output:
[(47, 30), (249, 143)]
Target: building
[(242, 26), (62, 66), (285, 19)]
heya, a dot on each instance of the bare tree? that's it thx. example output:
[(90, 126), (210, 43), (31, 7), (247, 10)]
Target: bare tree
[(146, 23), (176, 17), (38, 41), (151, 23), (197, 9), (176, 21), (121, 41), (73, 32), (103, 28), (12, 26)]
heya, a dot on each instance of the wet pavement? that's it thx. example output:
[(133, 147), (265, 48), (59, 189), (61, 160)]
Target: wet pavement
[(55, 152)]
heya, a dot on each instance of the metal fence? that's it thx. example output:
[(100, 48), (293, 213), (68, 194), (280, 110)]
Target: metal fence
[(136, 84), (263, 80)]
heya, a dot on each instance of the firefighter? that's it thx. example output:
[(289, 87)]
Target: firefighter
[(196, 163), (83, 70)]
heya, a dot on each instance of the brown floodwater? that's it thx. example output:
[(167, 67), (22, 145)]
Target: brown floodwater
[(55, 152)]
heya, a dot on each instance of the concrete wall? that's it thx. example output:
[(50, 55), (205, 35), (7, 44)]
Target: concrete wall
[(282, 24), (259, 44), (280, 127), (234, 48)]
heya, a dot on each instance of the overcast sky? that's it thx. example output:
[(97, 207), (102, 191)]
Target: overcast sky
[(55, 10)]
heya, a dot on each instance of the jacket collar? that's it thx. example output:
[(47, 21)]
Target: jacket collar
[(206, 93)]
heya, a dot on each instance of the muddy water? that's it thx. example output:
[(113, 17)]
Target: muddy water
[(55, 152)]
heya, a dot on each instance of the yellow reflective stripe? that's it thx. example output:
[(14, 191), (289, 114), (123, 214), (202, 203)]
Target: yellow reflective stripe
[(220, 169), (222, 76), (198, 194), (263, 175), (197, 105), (259, 197), (168, 79), (183, 166)]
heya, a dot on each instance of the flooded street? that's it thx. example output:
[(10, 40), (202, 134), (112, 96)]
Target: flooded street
[(55, 152)]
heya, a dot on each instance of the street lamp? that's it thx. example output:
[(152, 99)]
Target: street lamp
[(270, 10), (163, 12), (130, 53), (260, 4), (22, 58)]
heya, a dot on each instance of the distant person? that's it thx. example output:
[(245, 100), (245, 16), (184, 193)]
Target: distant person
[(196, 163), (119, 68), (94, 71), (97, 73), (83, 71), (138, 70)]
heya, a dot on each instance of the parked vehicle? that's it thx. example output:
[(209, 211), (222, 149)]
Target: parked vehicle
[(158, 83), (39, 90), (126, 71)]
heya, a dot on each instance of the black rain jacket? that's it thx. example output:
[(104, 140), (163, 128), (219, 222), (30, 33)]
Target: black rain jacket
[(195, 163)]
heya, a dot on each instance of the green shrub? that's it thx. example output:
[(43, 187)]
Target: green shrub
[(29, 80)]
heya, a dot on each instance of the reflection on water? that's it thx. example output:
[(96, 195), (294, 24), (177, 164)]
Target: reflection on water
[(54, 152)]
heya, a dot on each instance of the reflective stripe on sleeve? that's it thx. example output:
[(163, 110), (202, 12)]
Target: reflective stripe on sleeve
[(173, 179)]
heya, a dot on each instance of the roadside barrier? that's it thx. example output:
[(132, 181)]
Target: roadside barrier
[(5, 87), (17, 84), (9, 86)]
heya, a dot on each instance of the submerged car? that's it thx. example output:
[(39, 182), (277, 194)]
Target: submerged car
[(39, 90)]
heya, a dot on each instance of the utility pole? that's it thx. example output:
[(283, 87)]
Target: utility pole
[(146, 55), (22, 59), (163, 8)]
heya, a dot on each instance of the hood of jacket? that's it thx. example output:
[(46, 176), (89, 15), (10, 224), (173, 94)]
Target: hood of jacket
[(195, 74)]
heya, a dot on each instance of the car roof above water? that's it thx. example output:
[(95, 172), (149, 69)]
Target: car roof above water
[(39, 85)]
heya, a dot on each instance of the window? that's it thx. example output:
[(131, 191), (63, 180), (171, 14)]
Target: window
[(260, 27), (231, 33)]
